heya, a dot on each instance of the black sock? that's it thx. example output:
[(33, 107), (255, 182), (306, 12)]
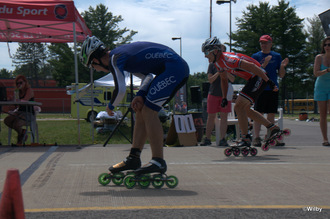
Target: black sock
[(160, 160), (135, 152), (270, 126)]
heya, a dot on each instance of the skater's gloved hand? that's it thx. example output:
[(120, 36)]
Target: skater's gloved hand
[(272, 85), (224, 102)]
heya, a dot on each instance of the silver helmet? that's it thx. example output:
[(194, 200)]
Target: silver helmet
[(90, 45), (211, 44)]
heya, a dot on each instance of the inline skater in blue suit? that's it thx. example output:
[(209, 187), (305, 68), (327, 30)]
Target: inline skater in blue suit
[(162, 71)]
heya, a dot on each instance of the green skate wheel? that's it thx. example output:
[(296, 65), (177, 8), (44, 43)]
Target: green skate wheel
[(129, 181), (171, 182), (158, 181), (118, 178), (104, 179), (144, 182)]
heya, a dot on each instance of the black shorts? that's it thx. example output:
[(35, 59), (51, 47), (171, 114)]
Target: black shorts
[(267, 102), (253, 88)]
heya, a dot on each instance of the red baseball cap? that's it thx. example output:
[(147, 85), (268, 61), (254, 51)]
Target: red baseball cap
[(265, 38)]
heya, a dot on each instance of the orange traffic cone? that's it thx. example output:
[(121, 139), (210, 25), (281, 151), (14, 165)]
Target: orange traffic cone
[(11, 205)]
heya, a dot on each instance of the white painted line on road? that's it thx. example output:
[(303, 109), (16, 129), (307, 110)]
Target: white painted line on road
[(175, 207)]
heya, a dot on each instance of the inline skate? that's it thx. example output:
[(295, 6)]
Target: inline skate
[(151, 173), (243, 148), (272, 141), (119, 171)]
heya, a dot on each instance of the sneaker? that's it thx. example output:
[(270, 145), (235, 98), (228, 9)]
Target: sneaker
[(272, 131), (154, 166), (206, 142), (130, 163), (257, 142), (223, 142)]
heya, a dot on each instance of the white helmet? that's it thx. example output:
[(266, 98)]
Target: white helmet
[(211, 44), (90, 45)]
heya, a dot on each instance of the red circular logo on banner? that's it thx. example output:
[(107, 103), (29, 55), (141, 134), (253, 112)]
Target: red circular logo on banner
[(60, 11)]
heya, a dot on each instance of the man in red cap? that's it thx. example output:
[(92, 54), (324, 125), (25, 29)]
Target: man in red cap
[(267, 102)]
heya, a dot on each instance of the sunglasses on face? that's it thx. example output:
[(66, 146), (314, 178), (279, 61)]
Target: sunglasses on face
[(208, 52), (327, 44), (19, 83)]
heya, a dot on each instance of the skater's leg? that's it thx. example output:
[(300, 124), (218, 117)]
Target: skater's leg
[(271, 117), (140, 133), (133, 161), (154, 131), (241, 107), (258, 117)]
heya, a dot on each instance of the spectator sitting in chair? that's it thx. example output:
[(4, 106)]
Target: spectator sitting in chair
[(17, 119)]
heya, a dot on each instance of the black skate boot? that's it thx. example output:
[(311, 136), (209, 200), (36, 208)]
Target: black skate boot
[(156, 165), (272, 131), (130, 163), (246, 142)]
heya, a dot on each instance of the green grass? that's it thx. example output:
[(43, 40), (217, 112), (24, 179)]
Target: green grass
[(62, 130)]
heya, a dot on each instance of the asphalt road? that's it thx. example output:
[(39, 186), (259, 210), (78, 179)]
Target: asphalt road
[(284, 182)]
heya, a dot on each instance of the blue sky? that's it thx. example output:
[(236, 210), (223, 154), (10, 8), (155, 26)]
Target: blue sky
[(160, 20)]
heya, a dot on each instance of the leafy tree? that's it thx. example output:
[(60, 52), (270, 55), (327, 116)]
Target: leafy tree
[(104, 26), (29, 59), (4, 73), (63, 63), (286, 28), (315, 35)]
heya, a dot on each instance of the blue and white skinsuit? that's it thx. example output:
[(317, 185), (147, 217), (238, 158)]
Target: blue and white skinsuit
[(144, 60)]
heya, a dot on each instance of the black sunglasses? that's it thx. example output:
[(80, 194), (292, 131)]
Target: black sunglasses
[(94, 63), (327, 44), (19, 83)]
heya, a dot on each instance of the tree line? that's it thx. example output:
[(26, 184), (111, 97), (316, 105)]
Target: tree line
[(293, 37)]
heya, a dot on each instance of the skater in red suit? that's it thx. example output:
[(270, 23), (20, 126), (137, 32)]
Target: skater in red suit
[(249, 69)]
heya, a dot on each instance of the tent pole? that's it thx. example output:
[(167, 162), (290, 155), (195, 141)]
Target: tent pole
[(77, 81), (92, 103)]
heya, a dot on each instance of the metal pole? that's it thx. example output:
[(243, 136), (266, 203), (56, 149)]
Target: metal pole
[(230, 25), (132, 111), (76, 75), (180, 47), (92, 102), (210, 18)]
